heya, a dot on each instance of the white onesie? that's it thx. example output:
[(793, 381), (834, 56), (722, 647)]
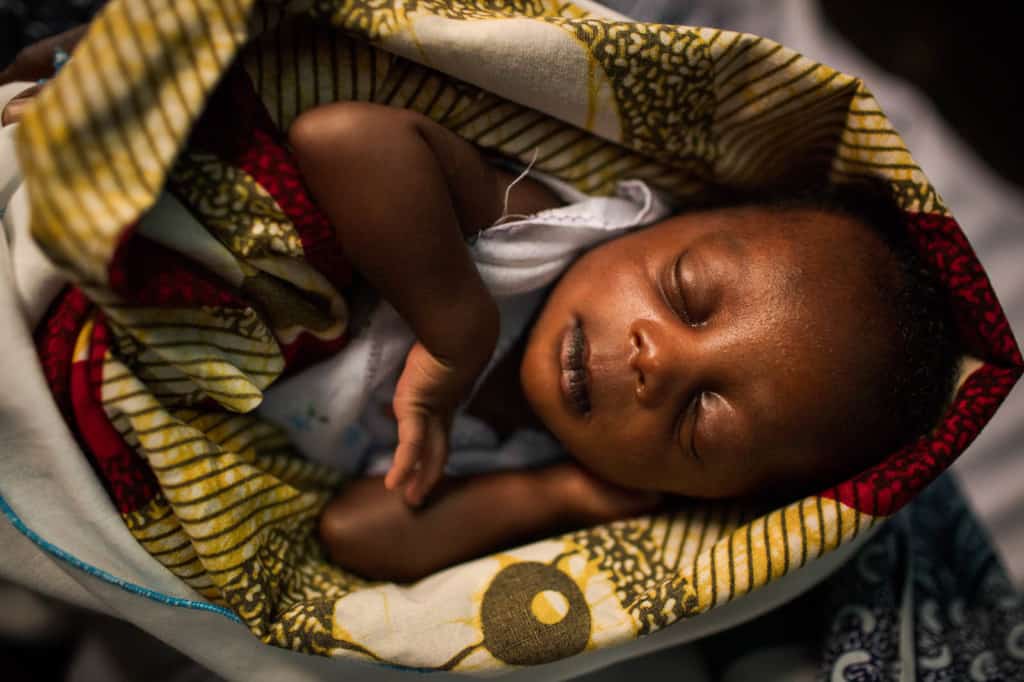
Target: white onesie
[(339, 411)]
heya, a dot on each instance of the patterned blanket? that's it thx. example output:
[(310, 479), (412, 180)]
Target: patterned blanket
[(161, 186), (926, 599)]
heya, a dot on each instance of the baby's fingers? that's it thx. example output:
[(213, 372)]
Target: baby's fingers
[(435, 454), (412, 434)]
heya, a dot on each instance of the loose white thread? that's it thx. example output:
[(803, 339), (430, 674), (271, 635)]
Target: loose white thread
[(508, 191)]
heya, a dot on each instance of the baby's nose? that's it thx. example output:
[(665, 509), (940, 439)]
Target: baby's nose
[(653, 361)]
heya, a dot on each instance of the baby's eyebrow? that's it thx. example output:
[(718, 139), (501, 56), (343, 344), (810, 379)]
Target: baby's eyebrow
[(735, 245), (734, 249)]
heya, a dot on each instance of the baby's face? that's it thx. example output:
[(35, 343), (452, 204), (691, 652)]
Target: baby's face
[(707, 355)]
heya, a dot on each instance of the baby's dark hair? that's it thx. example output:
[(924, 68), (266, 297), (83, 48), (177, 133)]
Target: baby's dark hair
[(911, 388), (914, 385)]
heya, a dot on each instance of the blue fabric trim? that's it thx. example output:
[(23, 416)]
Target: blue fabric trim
[(139, 590), (103, 575)]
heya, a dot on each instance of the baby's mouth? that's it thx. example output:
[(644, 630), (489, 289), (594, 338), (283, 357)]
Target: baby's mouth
[(574, 380)]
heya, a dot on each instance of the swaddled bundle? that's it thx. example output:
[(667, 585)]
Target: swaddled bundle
[(180, 323)]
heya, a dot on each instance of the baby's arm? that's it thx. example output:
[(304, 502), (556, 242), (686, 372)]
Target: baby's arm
[(402, 193), (370, 531)]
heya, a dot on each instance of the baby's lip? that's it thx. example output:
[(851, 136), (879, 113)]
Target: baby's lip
[(573, 356)]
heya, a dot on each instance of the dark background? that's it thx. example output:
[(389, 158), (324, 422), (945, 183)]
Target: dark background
[(966, 56), (25, 21)]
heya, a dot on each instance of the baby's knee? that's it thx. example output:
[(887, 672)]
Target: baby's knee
[(329, 128), (334, 529)]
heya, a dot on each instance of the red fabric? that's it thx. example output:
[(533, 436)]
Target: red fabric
[(983, 325), (148, 274), (886, 487), (237, 127), (55, 342), (276, 171), (128, 479), (76, 390), (255, 145), (307, 349), (145, 273)]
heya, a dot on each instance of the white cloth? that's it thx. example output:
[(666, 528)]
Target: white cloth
[(37, 280), (338, 411)]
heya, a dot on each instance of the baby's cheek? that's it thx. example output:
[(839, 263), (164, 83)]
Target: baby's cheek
[(624, 458), (745, 475)]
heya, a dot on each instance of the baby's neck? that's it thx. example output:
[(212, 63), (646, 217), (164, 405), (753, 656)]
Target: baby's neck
[(500, 401)]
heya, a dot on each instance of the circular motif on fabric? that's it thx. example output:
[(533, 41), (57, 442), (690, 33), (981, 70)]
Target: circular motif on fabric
[(549, 607), (533, 613)]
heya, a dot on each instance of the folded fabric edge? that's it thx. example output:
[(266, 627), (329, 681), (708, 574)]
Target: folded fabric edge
[(94, 571)]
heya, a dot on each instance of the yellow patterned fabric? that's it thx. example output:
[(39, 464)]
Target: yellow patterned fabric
[(233, 507)]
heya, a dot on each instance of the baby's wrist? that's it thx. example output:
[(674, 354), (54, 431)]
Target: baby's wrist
[(472, 343), (562, 491), (582, 499)]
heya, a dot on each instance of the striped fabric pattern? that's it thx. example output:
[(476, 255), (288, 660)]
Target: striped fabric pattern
[(160, 184)]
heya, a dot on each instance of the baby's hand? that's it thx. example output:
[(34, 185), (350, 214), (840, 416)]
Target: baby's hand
[(425, 400)]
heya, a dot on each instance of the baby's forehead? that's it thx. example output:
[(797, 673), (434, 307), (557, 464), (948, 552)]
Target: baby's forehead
[(820, 274), (801, 225), (824, 246), (773, 226), (813, 261)]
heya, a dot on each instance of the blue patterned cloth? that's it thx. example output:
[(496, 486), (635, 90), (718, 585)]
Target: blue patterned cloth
[(926, 599)]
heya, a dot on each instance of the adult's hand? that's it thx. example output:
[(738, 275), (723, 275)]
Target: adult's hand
[(36, 60), (16, 107)]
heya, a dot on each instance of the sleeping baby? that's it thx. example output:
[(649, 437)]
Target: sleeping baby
[(766, 346), (763, 348)]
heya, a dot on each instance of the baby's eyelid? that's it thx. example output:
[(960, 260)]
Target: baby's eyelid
[(680, 290), (694, 406)]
